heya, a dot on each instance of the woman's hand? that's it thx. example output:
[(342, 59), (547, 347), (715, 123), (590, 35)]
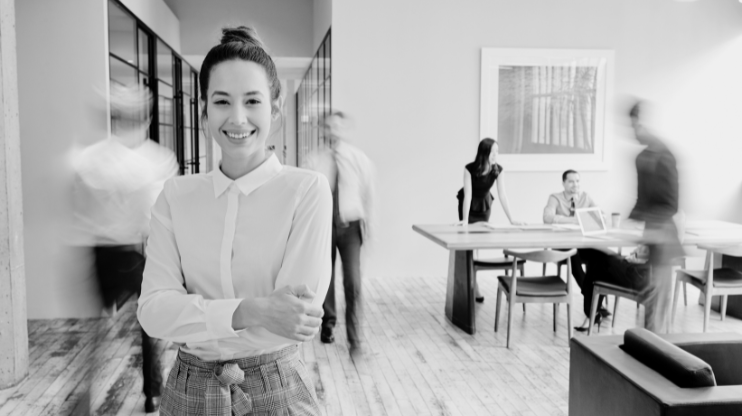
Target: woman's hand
[(288, 312)]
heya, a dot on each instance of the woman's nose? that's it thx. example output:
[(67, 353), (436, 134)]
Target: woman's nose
[(238, 115)]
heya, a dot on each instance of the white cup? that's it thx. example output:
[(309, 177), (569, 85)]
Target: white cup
[(616, 220)]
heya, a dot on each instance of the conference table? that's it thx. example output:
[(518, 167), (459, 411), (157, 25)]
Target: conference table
[(461, 242)]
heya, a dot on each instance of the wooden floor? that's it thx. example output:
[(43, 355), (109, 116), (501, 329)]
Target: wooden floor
[(416, 362)]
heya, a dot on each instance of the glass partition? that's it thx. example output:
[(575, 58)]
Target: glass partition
[(138, 56), (314, 101)]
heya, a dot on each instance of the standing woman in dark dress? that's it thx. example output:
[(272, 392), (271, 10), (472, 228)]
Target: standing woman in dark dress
[(475, 198)]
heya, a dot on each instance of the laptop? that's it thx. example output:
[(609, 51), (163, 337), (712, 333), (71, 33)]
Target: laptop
[(592, 224)]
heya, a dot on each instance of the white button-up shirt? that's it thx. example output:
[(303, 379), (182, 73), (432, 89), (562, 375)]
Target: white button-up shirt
[(354, 173), (215, 241)]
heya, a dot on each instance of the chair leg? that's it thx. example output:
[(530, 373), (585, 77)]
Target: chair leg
[(556, 315), (497, 306), (675, 302), (593, 310), (685, 294), (569, 320), (723, 309), (511, 308), (522, 273), (615, 311), (706, 310)]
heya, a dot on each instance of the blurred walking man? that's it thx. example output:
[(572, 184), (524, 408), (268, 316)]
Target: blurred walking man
[(350, 173), (656, 204)]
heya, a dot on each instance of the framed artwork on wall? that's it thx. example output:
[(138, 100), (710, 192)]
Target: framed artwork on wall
[(548, 108)]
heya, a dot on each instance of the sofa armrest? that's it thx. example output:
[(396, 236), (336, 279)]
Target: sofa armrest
[(723, 358), (672, 362)]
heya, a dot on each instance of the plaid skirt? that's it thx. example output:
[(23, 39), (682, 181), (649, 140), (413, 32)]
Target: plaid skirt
[(271, 384)]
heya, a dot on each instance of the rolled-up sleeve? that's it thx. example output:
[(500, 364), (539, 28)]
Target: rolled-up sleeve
[(307, 259), (550, 210), (166, 310)]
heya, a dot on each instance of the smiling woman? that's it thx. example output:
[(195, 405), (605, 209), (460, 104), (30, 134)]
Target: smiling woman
[(239, 259)]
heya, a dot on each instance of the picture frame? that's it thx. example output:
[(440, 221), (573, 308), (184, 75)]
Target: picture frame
[(548, 108)]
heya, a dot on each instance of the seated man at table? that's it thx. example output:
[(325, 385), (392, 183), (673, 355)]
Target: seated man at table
[(560, 209), (606, 266)]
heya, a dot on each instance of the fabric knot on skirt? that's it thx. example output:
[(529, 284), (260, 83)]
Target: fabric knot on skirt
[(223, 394)]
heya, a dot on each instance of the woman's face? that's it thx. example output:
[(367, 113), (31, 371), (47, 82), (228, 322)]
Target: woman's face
[(494, 152), (239, 108)]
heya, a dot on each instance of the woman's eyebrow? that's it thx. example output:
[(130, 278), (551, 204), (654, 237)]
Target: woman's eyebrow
[(246, 94)]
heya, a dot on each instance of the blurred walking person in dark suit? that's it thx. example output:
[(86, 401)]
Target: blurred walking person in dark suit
[(656, 204)]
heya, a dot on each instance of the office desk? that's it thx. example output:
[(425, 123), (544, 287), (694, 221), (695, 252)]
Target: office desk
[(461, 242)]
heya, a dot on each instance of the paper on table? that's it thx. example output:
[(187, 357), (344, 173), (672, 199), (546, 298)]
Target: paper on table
[(574, 227), (536, 227), (500, 226)]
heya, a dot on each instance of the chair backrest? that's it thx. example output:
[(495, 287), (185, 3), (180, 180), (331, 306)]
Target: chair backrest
[(542, 256), (711, 250)]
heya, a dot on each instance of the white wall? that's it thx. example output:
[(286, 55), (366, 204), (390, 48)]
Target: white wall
[(158, 16), (62, 58), (322, 21), (409, 73), (284, 25)]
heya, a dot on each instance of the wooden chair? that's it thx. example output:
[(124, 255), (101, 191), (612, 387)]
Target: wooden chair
[(499, 263), (541, 289), (712, 282), (605, 288)]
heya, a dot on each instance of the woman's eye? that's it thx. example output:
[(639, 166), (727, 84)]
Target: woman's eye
[(253, 102), (221, 102)]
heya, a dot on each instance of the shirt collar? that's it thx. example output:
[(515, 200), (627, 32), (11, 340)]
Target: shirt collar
[(568, 197), (249, 182)]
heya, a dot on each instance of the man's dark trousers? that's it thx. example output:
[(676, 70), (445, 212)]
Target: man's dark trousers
[(347, 241)]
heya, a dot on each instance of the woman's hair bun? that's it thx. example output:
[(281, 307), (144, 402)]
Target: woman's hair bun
[(242, 34)]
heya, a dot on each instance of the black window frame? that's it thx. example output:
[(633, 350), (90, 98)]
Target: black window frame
[(179, 66)]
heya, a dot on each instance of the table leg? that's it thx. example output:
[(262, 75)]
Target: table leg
[(460, 290)]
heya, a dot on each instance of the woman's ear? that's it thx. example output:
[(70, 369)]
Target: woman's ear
[(277, 108)]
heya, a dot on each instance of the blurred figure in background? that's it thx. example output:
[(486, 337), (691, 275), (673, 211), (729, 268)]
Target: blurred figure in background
[(350, 173), (117, 181), (656, 204)]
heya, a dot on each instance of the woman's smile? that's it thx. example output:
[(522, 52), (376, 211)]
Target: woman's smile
[(240, 136)]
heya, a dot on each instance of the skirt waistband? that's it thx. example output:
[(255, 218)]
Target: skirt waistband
[(243, 363)]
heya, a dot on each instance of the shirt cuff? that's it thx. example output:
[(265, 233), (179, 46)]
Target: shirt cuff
[(219, 317)]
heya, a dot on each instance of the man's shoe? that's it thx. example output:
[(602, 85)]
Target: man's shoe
[(356, 351), (151, 404), (326, 335)]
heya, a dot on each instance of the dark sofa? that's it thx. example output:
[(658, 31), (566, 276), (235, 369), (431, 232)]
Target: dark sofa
[(606, 380)]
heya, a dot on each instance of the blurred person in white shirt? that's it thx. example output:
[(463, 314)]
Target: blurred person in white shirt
[(117, 182), (351, 176)]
